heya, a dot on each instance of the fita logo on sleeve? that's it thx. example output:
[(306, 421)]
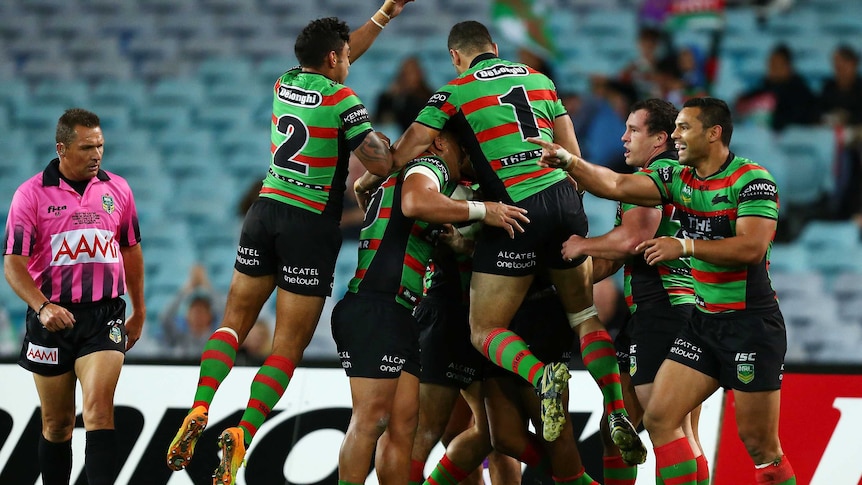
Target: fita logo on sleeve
[(108, 203)]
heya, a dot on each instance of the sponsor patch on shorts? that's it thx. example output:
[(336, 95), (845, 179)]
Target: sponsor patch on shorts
[(42, 355)]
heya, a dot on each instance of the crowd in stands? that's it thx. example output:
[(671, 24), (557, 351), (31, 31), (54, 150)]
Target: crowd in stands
[(770, 99)]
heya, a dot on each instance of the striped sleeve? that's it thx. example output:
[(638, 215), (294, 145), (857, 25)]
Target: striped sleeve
[(439, 108), (20, 234)]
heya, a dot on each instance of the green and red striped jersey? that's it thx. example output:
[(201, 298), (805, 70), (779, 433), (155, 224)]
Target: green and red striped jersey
[(316, 123), (394, 249), (495, 106), (708, 209), (669, 282)]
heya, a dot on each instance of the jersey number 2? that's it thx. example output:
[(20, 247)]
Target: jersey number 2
[(517, 99), (296, 134)]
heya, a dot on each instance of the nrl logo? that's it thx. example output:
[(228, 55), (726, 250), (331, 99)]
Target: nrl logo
[(745, 373), (108, 203)]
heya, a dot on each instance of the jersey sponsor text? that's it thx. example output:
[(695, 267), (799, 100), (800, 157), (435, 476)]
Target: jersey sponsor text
[(90, 245)]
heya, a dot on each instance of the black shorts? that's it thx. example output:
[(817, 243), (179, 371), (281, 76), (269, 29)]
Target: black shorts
[(541, 321), (375, 337), (623, 344), (448, 358), (653, 331), (744, 351), (555, 214), (98, 326), (298, 246)]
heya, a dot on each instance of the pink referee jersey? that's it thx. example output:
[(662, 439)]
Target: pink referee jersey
[(73, 241)]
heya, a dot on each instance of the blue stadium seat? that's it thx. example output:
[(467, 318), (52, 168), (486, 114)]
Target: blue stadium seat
[(787, 258), (162, 119), (227, 70), (831, 237), (810, 153), (601, 214)]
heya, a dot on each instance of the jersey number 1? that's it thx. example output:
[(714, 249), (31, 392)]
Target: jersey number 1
[(296, 134), (517, 99)]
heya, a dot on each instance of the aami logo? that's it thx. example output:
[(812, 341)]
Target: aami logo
[(42, 355), (299, 97), (500, 70), (84, 246)]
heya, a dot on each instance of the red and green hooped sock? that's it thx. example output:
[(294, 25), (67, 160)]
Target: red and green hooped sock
[(535, 456), (702, 470), (417, 472), (216, 362), (675, 463), (268, 386), (581, 478), (617, 472), (777, 473), (446, 473), (600, 359), (509, 351)]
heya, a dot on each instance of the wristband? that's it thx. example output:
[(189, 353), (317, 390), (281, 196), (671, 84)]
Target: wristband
[(42, 307), (476, 210), (377, 23), (687, 246), (565, 157), (384, 14)]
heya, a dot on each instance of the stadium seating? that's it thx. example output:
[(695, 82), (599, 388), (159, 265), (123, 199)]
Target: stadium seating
[(183, 89)]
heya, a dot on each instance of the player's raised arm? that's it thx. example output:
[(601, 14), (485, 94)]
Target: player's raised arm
[(597, 180), (362, 38)]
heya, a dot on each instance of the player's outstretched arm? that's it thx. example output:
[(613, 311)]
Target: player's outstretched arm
[(362, 38), (597, 180)]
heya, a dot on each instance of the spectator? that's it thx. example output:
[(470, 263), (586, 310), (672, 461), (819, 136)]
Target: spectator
[(407, 94), (782, 98), (652, 46), (694, 66), (841, 105), (186, 335), (599, 118), (257, 344), (841, 97)]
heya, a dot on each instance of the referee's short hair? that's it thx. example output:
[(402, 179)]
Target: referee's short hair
[(71, 118)]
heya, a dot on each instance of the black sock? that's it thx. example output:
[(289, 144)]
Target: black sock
[(55, 461), (100, 461)]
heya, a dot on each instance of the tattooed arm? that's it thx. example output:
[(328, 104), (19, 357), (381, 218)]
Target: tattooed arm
[(374, 154)]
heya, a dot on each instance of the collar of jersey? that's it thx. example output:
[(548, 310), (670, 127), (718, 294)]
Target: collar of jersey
[(482, 57), (51, 174)]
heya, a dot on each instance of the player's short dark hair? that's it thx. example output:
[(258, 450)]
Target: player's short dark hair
[(847, 52), (713, 111), (783, 51), (470, 36), (318, 39), (70, 119), (660, 116)]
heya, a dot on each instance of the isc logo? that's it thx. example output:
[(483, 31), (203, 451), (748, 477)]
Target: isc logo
[(745, 357)]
